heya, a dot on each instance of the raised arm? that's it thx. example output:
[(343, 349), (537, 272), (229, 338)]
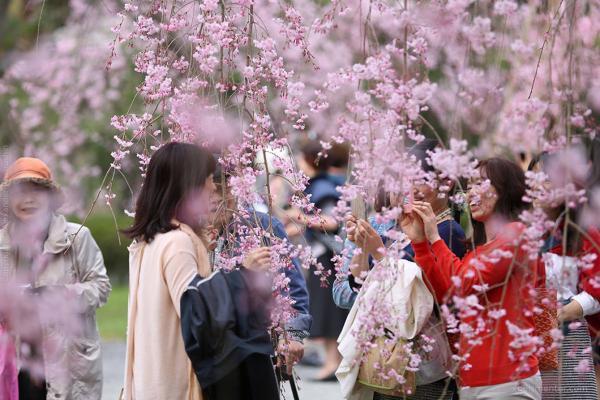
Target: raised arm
[(470, 275), (473, 274), (344, 294), (437, 271)]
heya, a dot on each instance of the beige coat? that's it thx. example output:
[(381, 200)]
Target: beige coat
[(80, 269), (157, 366)]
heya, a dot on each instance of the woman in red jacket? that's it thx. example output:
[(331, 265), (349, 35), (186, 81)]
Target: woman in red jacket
[(491, 286)]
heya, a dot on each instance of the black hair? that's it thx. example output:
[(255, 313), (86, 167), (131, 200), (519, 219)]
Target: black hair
[(174, 171), (339, 155), (311, 151), (508, 179)]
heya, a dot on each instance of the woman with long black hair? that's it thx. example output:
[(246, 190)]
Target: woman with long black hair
[(164, 258)]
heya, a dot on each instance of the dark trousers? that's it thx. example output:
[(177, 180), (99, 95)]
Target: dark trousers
[(253, 379), (29, 388)]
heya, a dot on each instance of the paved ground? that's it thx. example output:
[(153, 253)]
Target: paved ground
[(114, 359)]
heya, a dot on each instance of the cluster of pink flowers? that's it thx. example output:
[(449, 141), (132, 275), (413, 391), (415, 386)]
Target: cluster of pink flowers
[(455, 163), (60, 97), (29, 316), (256, 61), (251, 78)]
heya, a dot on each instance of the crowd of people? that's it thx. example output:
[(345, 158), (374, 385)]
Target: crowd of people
[(196, 331)]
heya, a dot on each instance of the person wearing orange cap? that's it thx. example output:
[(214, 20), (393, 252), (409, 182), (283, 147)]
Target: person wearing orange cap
[(39, 249)]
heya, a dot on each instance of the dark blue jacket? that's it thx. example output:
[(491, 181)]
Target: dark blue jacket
[(224, 319), (323, 193), (299, 326), (321, 188)]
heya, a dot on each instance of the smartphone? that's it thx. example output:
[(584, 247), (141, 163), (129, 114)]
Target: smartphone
[(407, 203), (359, 208)]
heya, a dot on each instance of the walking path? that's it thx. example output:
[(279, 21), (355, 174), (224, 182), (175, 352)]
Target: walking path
[(114, 359)]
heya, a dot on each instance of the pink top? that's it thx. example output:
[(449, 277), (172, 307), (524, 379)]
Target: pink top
[(9, 387)]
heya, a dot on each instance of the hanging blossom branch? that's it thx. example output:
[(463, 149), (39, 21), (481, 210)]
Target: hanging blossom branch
[(250, 77), (209, 71), (251, 65)]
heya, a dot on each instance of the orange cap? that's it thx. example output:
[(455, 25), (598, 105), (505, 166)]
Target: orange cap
[(28, 168)]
